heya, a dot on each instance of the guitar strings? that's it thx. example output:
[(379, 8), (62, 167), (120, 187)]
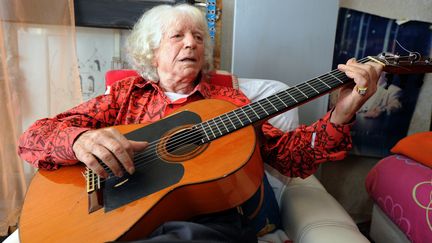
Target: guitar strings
[(144, 158)]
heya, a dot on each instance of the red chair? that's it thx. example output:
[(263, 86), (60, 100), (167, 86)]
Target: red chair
[(221, 78), (113, 76)]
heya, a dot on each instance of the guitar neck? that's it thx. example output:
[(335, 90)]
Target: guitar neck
[(274, 104)]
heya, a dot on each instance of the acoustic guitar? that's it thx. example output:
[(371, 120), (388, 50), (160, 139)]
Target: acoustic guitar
[(202, 159)]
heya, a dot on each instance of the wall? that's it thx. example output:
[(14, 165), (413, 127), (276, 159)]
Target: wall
[(290, 41), (394, 9), (95, 49), (98, 50)]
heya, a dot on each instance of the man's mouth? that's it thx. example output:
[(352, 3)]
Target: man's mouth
[(188, 59)]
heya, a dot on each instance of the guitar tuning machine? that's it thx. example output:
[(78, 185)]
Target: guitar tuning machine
[(413, 57), (390, 57)]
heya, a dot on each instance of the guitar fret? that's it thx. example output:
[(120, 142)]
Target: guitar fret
[(321, 88), (223, 123), (208, 138), (217, 127), (284, 103), (256, 114), (276, 95), (262, 107), (231, 121), (238, 118), (211, 130), (246, 115), (301, 92), (276, 109), (324, 83), (286, 91), (312, 87), (336, 78)]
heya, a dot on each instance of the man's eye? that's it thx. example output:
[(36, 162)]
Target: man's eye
[(175, 36)]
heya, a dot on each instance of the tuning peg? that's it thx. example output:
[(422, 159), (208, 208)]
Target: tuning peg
[(414, 57)]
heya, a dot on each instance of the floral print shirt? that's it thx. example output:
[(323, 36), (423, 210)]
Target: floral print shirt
[(48, 142)]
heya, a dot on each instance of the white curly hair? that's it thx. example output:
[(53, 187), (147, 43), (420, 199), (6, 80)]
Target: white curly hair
[(147, 33)]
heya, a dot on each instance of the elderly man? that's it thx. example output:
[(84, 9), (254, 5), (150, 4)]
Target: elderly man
[(171, 50)]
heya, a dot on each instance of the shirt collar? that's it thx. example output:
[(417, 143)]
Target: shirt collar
[(202, 88)]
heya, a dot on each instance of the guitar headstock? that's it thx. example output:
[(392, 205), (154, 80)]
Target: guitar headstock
[(411, 63)]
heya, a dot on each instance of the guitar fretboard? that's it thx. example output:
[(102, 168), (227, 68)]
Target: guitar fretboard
[(272, 105)]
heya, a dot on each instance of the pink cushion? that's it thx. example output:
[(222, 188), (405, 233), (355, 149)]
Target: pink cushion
[(402, 188)]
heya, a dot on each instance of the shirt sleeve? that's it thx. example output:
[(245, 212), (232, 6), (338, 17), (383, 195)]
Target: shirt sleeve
[(48, 142), (298, 153)]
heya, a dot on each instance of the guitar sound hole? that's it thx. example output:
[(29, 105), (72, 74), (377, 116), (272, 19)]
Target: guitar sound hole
[(183, 142)]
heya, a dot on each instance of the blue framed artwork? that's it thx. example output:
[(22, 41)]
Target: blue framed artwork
[(386, 117)]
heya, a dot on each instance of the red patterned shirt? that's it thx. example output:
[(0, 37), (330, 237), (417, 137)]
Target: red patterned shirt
[(48, 142)]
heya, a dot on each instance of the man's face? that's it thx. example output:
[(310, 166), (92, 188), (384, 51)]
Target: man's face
[(181, 51)]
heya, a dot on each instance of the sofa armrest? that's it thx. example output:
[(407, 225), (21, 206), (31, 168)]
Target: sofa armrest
[(310, 214)]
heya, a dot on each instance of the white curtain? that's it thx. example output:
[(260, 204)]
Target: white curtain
[(38, 78)]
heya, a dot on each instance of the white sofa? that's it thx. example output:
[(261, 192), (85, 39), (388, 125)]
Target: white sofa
[(383, 230), (310, 214)]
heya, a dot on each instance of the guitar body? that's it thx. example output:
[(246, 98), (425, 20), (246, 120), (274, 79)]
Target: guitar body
[(220, 175)]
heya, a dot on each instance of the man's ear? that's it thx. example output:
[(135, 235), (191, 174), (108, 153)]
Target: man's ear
[(155, 58), (154, 63)]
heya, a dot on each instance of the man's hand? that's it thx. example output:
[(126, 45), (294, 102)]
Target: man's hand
[(351, 98), (111, 147)]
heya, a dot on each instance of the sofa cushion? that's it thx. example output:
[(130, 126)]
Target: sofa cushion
[(401, 188), (310, 214), (416, 146)]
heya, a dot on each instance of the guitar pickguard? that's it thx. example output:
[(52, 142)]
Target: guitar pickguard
[(156, 173)]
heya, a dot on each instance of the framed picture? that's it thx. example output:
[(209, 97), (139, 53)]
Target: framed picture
[(385, 118)]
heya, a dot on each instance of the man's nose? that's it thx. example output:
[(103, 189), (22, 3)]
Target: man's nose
[(190, 41)]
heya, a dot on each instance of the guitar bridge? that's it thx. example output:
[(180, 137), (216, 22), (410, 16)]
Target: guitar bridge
[(93, 181), (93, 186)]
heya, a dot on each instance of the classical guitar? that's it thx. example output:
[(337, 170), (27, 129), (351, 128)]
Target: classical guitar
[(202, 159)]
